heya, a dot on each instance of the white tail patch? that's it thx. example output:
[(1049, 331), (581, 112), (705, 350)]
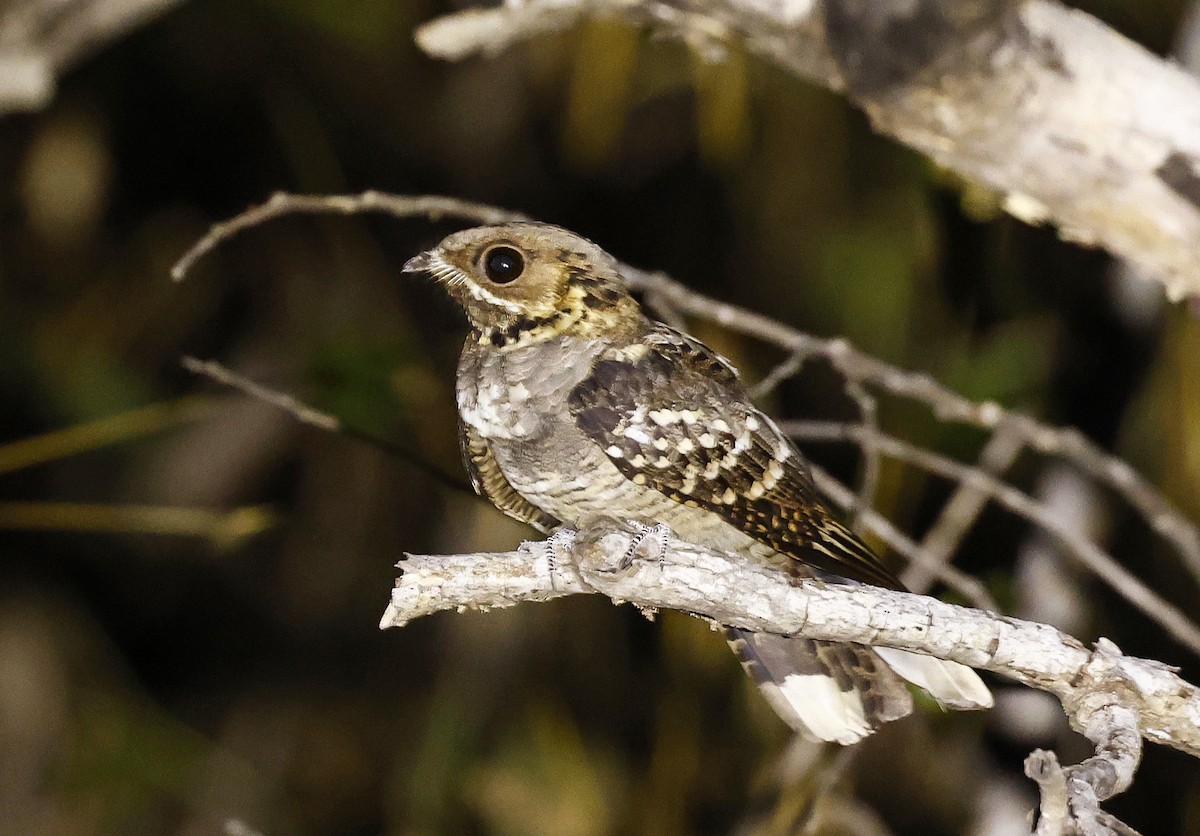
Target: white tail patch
[(951, 684), (821, 707)]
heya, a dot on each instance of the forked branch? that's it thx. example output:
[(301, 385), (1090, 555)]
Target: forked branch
[(1112, 699)]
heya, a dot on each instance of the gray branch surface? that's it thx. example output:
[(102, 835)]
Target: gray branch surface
[(1071, 122), (1112, 699)]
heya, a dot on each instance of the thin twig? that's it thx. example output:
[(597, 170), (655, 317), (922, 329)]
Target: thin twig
[(282, 203), (1169, 617), (303, 413), (868, 414), (313, 417), (963, 508), (787, 368), (662, 310), (972, 589)]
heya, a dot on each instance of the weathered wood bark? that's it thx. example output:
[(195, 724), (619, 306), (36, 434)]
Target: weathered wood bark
[(1071, 122)]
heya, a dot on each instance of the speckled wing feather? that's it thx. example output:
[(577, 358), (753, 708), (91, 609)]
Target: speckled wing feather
[(671, 415), (490, 482)]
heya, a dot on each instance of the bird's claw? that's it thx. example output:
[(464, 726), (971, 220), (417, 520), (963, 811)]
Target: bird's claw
[(658, 534), (560, 542)]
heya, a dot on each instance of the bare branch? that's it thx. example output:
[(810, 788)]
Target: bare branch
[(1112, 699), (301, 412), (1058, 113), (963, 508), (398, 206), (313, 417), (868, 412), (879, 525), (1082, 549)]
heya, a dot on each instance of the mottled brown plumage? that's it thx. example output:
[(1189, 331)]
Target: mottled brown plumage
[(574, 404)]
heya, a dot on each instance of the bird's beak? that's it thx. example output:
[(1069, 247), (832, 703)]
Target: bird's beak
[(419, 263)]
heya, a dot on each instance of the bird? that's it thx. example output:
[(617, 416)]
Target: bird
[(575, 405)]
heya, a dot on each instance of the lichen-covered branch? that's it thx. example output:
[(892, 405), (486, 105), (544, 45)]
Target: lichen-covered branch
[(1112, 699), (1071, 122)]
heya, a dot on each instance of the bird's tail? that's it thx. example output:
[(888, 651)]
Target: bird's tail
[(842, 692)]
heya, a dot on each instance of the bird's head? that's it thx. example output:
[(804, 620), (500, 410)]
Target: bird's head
[(524, 282)]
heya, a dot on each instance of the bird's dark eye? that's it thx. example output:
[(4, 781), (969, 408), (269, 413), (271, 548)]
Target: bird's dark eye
[(503, 264)]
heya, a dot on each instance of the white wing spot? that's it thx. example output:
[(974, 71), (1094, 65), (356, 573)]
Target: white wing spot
[(616, 452), (662, 461), (772, 475), (707, 440), (632, 353), (638, 461), (638, 434), (663, 417), (756, 490), (729, 497), (752, 424), (662, 443), (685, 446), (720, 425)]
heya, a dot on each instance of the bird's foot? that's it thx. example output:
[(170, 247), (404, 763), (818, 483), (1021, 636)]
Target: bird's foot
[(558, 546), (656, 535)]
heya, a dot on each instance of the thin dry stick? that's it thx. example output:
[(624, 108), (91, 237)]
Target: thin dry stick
[(281, 204), (786, 369), (963, 508), (868, 413), (300, 411), (662, 310), (312, 417), (1133, 590), (972, 590)]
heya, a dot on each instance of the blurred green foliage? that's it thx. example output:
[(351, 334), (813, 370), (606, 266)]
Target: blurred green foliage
[(159, 684)]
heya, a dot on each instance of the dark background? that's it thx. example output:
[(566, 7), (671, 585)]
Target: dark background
[(166, 672)]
